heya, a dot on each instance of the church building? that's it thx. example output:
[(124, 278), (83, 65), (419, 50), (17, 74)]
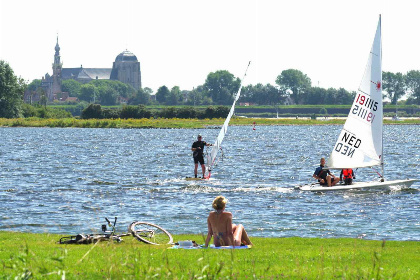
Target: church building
[(126, 69)]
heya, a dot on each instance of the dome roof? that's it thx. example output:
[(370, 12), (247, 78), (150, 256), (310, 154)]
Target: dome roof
[(126, 56)]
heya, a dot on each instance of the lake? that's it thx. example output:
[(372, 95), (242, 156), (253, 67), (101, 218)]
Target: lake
[(66, 180)]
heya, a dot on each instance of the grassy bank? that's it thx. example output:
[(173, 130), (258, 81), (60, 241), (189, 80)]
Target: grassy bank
[(39, 256), (170, 123)]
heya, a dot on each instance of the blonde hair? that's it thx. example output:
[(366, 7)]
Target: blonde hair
[(219, 203)]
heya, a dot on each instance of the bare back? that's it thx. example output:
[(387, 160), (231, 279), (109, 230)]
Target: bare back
[(220, 227)]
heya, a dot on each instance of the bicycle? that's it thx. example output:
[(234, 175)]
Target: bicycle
[(150, 233), (146, 232)]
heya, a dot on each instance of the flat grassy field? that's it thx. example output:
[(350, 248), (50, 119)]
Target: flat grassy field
[(171, 123), (38, 256)]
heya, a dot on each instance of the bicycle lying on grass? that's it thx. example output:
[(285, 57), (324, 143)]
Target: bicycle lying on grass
[(146, 232)]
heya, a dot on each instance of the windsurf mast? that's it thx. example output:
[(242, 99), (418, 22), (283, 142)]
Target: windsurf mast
[(211, 158)]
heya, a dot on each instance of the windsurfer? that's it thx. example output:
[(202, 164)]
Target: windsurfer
[(198, 148), (222, 230), (324, 176)]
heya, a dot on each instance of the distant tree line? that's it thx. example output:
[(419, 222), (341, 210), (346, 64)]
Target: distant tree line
[(95, 111), (291, 87), (46, 112), (396, 85)]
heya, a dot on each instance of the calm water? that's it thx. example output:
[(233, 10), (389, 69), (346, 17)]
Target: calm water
[(66, 180)]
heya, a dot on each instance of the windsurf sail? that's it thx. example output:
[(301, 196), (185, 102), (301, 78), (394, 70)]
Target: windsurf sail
[(211, 157), (360, 141)]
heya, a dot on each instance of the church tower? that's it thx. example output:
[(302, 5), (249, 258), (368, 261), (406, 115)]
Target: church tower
[(126, 69), (57, 67)]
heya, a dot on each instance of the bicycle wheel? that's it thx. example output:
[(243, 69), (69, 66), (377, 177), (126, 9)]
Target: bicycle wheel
[(150, 233)]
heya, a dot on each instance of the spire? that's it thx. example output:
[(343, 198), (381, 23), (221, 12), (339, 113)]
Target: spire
[(57, 63), (57, 47)]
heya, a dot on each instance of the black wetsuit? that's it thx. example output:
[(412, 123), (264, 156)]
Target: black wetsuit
[(198, 153), (322, 174)]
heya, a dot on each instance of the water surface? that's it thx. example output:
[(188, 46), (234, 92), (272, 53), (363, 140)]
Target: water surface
[(65, 180)]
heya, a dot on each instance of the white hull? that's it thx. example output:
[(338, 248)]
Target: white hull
[(357, 185)]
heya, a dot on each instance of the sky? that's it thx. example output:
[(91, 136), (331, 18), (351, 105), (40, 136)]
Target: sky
[(178, 43)]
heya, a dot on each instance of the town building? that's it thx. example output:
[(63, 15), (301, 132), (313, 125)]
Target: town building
[(126, 69)]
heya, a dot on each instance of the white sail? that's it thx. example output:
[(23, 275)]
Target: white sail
[(211, 159), (360, 141)]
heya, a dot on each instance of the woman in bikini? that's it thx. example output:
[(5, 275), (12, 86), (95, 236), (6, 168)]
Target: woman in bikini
[(221, 228)]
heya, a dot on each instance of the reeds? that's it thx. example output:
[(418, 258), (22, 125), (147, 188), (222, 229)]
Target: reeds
[(170, 123)]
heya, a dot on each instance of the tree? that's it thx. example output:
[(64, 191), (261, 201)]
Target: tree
[(394, 85), (118, 87), (262, 94), (221, 86), (43, 100), (72, 87), (314, 95), (88, 93), (107, 95), (161, 94), (148, 90), (187, 113), (174, 97), (34, 85), (197, 96), (295, 81), (33, 88), (141, 97), (344, 97), (93, 111), (413, 86), (11, 92)]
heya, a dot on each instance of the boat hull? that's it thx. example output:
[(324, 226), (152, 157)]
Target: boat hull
[(357, 185)]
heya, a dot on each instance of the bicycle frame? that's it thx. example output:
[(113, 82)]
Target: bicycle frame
[(143, 231)]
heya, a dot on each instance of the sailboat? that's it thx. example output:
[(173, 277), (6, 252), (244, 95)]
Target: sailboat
[(360, 143), (212, 155)]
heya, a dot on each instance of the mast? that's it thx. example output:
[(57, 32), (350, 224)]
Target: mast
[(211, 159), (382, 152)]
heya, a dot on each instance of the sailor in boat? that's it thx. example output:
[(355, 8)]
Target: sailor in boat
[(324, 176), (198, 148), (347, 175), (222, 230)]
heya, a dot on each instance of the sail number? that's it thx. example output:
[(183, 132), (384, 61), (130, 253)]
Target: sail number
[(362, 106), (348, 145)]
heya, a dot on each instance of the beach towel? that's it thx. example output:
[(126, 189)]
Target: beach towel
[(211, 247)]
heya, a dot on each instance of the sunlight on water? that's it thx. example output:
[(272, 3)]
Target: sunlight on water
[(67, 180)]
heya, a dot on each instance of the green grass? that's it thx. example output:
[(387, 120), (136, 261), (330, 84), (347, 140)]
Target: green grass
[(170, 123), (38, 256)]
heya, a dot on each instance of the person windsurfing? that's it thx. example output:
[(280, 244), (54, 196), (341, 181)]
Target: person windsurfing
[(198, 148)]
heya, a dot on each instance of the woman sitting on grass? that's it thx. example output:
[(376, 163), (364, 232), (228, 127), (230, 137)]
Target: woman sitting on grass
[(221, 228)]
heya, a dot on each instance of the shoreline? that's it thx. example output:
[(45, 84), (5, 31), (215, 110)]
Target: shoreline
[(181, 123)]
